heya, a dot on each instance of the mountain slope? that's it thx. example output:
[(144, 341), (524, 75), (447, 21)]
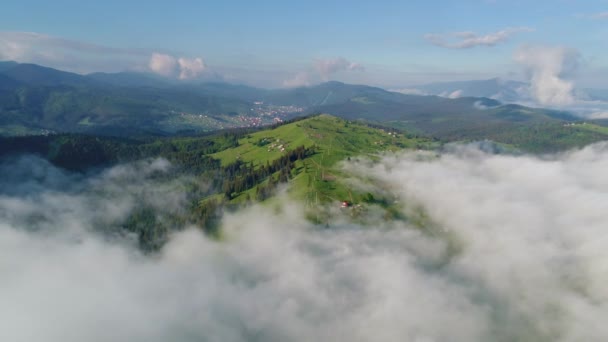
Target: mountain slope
[(317, 177), (461, 118), (36, 75), (227, 170), (38, 99), (230, 169), (426, 114), (34, 97), (129, 79), (326, 140)]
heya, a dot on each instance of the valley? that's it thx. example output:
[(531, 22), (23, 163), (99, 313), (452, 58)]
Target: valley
[(332, 171)]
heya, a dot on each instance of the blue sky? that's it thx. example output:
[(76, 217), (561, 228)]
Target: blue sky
[(269, 43)]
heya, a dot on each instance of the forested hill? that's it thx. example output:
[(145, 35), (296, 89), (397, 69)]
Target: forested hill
[(233, 168), (39, 100), (237, 167)]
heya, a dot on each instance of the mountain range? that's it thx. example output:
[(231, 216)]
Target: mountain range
[(504, 90), (496, 88), (38, 100)]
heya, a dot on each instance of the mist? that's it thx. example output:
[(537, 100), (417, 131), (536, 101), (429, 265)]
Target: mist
[(512, 249)]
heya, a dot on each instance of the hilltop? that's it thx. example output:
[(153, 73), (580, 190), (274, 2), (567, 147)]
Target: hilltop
[(317, 177), (241, 166), (233, 168)]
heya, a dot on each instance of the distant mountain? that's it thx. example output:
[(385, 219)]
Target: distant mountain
[(434, 115), (595, 94), (228, 90), (336, 93), (506, 91), (7, 83), (4, 65), (496, 88), (130, 79), (36, 75), (37, 98)]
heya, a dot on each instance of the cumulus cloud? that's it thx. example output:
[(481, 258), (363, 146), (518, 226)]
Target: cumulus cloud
[(190, 67), (182, 68), (511, 248), (327, 67), (163, 64), (300, 79), (324, 68), (549, 70), (467, 40), (550, 73)]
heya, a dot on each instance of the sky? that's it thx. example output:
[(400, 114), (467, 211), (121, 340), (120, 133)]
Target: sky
[(288, 43)]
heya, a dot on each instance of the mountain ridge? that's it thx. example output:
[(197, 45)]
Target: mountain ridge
[(42, 99)]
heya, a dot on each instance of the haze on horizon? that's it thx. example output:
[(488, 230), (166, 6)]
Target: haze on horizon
[(391, 44)]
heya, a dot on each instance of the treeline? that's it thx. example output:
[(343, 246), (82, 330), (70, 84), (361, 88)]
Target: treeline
[(408, 135), (188, 155), (241, 176), (80, 152)]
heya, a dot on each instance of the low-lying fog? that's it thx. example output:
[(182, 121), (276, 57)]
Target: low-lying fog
[(531, 262)]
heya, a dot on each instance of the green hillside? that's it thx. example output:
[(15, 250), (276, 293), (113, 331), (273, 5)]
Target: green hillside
[(317, 178), (230, 169), (340, 138), (37, 100)]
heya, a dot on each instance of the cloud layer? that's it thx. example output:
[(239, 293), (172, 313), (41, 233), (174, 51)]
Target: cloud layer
[(513, 249), (467, 39)]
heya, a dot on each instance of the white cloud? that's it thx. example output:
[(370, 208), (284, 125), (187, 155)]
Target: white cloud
[(515, 250), (300, 79), (182, 68), (467, 40), (549, 70), (327, 67), (324, 68), (479, 105), (163, 64), (190, 68), (451, 94), (455, 94), (409, 91), (530, 229)]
